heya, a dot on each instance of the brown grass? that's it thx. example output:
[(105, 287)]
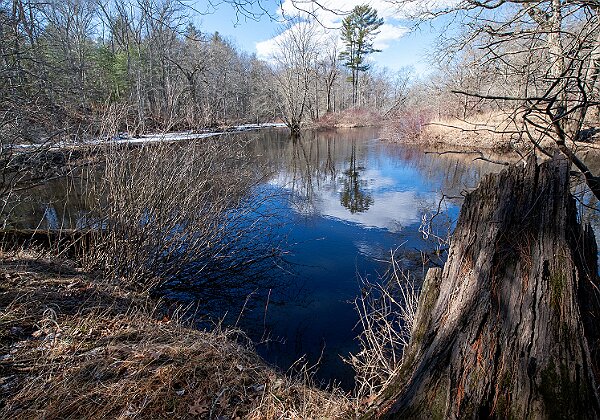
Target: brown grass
[(497, 130), (488, 131), (484, 131), (350, 118), (75, 347)]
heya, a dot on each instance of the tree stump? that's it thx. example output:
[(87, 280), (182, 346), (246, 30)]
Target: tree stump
[(507, 329)]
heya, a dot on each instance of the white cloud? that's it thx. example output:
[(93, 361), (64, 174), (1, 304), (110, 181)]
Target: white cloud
[(331, 18), (265, 49), (388, 33), (391, 210)]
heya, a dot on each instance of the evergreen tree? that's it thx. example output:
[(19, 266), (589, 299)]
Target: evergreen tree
[(358, 30)]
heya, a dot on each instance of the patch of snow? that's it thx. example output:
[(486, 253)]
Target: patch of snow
[(122, 138), (152, 138)]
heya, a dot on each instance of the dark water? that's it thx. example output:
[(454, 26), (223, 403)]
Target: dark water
[(343, 201), (351, 200)]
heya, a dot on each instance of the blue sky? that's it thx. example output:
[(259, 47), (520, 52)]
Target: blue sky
[(400, 46)]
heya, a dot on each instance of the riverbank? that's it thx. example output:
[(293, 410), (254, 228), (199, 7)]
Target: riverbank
[(73, 345), (350, 118), (489, 131), (174, 136)]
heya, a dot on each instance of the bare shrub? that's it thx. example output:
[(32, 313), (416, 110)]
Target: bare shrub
[(353, 117), (387, 311), (187, 211), (406, 126)]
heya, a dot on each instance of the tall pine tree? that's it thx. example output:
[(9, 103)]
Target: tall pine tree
[(358, 30)]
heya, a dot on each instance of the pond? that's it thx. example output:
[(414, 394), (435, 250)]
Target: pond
[(344, 201), (347, 201)]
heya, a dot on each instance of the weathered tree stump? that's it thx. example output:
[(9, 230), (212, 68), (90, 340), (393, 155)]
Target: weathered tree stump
[(507, 329)]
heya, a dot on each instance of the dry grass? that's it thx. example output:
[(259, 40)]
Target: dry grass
[(71, 347), (485, 131), (497, 130), (350, 118), (387, 311), (492, 130)]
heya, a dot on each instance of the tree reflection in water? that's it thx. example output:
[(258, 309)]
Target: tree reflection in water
[(355, 196)]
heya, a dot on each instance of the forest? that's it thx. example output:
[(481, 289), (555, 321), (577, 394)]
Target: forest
[(194, 230), (82, 68)]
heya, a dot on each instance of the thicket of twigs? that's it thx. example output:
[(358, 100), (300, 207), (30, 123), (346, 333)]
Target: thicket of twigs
[(188, 211), (387, 310)]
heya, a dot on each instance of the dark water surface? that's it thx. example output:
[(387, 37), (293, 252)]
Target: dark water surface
[(351, 200), (343, 200)]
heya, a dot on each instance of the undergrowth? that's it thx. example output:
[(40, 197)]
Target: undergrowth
[(72, 346), (387, 310)]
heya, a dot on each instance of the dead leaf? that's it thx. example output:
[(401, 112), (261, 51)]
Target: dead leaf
[(199, 408)]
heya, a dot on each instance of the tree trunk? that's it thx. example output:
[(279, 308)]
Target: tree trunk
[(507, 328)]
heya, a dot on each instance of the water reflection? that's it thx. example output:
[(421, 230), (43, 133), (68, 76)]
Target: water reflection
[(343, 200), (355, 195), (55, 205), (353, 177), (353, 199)]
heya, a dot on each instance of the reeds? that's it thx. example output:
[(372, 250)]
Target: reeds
[(386, 310)]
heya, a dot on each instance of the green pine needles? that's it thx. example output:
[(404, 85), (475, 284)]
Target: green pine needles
[(359, 29)]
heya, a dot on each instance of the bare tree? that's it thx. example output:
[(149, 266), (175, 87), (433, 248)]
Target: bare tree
[(543, 57), (295, 58), (328, 68)]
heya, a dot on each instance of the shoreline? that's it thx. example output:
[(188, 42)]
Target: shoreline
[(489, 133), (73, 344), (168, 136)]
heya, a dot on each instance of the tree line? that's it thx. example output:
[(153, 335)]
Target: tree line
[(81, 67)]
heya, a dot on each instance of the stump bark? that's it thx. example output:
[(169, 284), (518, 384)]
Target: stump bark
[(508, 328)]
